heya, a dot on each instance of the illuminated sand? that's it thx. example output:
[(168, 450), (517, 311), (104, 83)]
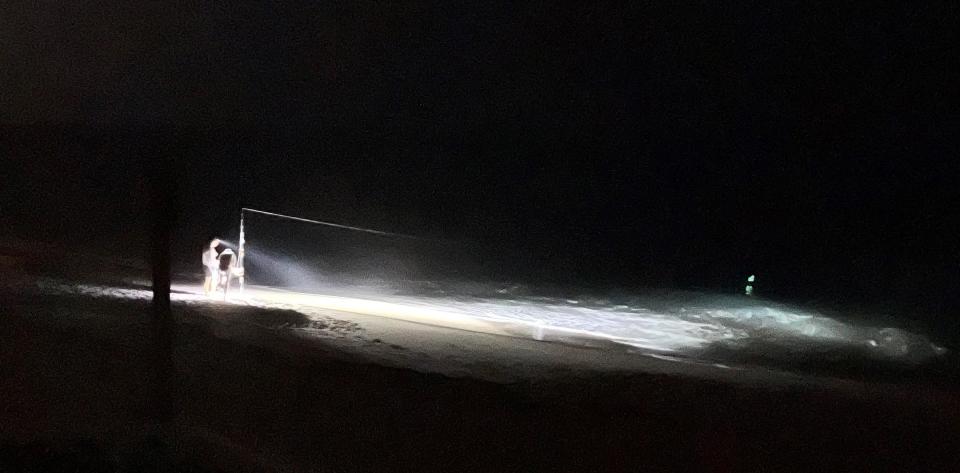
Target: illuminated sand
[(675, 325), (238, 362), (684, 325)]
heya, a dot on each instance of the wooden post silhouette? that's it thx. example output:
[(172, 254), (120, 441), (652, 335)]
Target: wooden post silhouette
[(163, 211)]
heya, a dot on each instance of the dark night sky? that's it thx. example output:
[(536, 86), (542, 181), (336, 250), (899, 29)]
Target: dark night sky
[(640, 142)]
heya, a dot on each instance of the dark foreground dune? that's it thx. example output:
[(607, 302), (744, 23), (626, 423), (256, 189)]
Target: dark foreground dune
[(77, 393)]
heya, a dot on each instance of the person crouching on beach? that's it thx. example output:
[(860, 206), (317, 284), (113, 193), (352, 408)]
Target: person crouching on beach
[(211, 267)]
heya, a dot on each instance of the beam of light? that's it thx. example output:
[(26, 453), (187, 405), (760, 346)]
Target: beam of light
[(680, 325), (662, 334), (284, 269)]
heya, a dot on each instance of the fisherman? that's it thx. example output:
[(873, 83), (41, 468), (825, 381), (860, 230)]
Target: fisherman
[(210, 267), (226, 262)]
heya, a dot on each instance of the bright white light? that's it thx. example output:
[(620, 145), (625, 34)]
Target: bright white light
[(682, 324)]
